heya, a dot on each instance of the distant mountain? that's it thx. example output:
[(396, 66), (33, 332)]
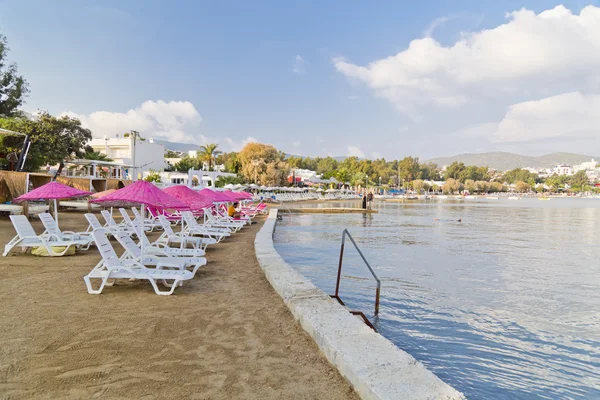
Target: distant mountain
[(183, 147), (504, 161)]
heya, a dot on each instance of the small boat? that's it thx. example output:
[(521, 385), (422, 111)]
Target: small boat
[(469, 197), (492, 197), (514, 198), (543, 198), (443, 196)]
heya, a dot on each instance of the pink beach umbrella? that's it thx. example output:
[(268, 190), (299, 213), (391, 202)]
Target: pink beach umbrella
[(103, 193), (193, 199), (52, 191), (141, 193), (235, 196), (216, 197)]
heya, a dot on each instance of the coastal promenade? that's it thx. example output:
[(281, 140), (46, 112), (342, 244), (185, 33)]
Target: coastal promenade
[(226, 334)]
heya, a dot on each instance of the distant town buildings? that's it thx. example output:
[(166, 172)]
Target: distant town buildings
[(307, 177)]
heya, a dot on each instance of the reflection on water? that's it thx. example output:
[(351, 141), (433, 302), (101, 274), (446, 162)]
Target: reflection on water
[(503, 305)]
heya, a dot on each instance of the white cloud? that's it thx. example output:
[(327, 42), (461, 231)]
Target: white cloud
[(573, 115), (175, 121), (353, 97), (235, 145), (355, 151), (299, 67), (532, 56), (375, 155), (434, 24), (296, 144)]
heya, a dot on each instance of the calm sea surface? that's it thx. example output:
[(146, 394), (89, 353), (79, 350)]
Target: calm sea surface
[(503, 305)]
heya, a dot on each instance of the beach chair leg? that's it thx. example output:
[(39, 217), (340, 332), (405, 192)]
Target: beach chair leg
[(196, 268), (7, 250), (164, 292), (91, 290), (53, 253)]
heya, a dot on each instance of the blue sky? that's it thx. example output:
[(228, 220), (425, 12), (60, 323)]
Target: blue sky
[(293, 74)]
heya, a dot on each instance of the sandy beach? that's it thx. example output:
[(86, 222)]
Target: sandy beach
[(225, 334)]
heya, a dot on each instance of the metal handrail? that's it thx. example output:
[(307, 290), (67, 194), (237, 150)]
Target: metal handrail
[(339, 277)]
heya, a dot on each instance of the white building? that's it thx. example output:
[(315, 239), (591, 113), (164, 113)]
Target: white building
[(148, 155), (563, 169), (586, 166), (192, 178)]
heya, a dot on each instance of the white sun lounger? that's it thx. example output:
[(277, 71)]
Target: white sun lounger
[(27, 238), (162, 248), (169, 236), (149, 223), (95, 224), (212, 221), (153, 256), (193, 228), (53, 230), (111, 268)]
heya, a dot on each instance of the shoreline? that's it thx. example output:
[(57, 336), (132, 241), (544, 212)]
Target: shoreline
[(376, 367)]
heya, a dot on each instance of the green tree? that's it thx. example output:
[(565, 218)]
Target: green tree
[(96, 155), (208, 153), (523, 175), (470, 185), (231, 161), (228, 180), (262, 164), (429, 171), (53, 140), (579, 180), (13, 87), (522, 187), (153, 176), (327, 166), (409, 168), (172, 154), (556, 182), (187, 163), (454, 170), (451, 186)]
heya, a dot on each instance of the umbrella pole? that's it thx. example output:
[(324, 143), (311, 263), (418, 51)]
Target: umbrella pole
[(56, 211), (143, 231)]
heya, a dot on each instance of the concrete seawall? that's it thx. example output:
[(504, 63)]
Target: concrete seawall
[(372, 364)]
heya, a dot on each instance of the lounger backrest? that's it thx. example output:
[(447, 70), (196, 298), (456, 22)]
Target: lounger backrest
[(136, 213), (49, 223), (106, 250), (108, 218), (166, 225), (139, 231), (93, 221), (189, 218), (125, 216), (128, 244), (22, 226)]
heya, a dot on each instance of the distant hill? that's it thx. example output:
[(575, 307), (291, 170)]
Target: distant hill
[(504, 161), (183, 147)]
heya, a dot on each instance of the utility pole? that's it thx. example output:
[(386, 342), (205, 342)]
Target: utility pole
[(134, 136)]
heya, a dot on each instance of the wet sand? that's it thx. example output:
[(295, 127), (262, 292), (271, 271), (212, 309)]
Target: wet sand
[(223, 335)]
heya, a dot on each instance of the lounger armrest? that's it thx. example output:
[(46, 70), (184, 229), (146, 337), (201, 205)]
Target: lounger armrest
[(157, 251)]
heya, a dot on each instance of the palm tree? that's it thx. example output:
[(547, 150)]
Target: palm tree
[(208, 154), (96, 155)]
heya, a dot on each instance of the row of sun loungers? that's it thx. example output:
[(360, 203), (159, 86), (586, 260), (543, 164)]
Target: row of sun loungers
[(170, 260)]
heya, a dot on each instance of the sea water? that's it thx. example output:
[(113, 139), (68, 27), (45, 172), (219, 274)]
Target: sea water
[(503, 305)]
